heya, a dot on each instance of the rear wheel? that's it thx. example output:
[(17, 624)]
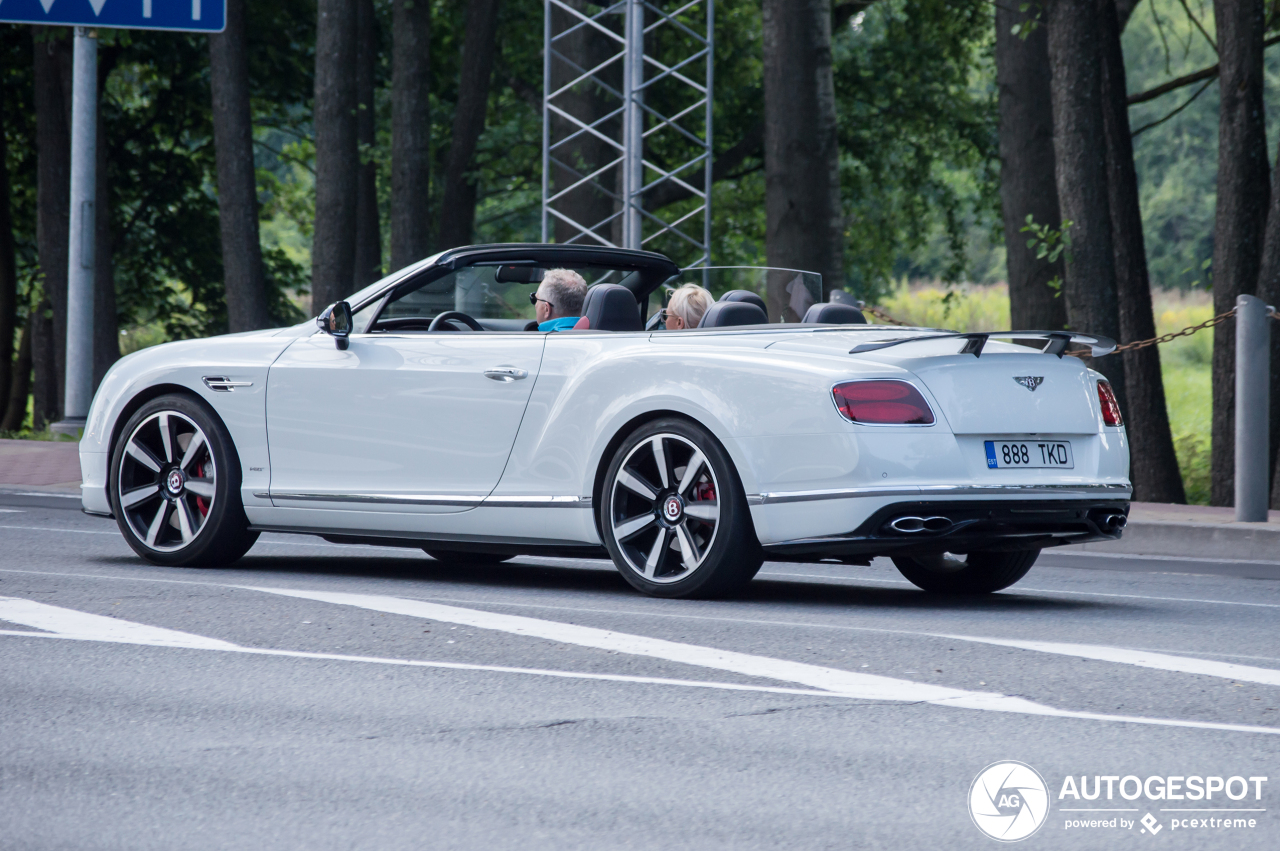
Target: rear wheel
[(674, 516), (974, 573), (175, 486)]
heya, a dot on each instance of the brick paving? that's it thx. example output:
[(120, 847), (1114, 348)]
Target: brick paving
[(39, 462)]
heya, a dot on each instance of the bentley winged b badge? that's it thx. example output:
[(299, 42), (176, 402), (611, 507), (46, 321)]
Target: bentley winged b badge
[(1031, 382)]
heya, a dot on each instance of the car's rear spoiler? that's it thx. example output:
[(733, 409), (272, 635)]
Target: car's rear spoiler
[(1057, 341)]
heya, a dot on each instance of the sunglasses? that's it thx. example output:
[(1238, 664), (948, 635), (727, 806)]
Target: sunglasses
[(533, 299)]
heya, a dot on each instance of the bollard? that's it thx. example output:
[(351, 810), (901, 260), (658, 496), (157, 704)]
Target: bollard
[(1253, 404)]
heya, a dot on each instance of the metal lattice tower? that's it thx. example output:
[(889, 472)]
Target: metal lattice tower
[(626, 125)]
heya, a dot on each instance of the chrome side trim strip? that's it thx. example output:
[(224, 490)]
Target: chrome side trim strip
[(530, 501), (1110, 490), (380, 498)]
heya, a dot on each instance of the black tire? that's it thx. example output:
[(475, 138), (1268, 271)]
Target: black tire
[(709, 522), (976, 573), (189, 521), (461, 557)]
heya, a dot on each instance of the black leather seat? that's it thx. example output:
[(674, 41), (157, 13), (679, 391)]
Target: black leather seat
[(829, 313), (724, 314), (745, 296), (609, 307)]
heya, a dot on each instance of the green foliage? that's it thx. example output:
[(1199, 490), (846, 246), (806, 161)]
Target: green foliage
[(916, 104), (1049, 243)]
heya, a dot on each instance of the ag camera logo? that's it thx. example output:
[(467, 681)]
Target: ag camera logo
[(1008, 801)]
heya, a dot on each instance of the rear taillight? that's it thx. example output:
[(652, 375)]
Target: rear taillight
[(1110, 407), (882, 402)]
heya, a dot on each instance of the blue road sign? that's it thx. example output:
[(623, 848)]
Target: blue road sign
[(181, 15)]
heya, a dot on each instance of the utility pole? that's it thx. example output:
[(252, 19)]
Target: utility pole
[(84, 158)]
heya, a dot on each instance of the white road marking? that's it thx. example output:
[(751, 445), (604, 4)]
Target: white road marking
[(56, 529), (453, 666), (71, 623), (1140, 658), (846, 683)]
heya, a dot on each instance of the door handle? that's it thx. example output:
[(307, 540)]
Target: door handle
[(506, 373)]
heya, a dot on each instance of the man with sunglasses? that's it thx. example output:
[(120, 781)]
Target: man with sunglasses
[(558, 300)]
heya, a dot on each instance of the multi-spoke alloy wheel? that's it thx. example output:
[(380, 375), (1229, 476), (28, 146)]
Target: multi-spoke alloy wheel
[(175, 486), (674, 517), (166, 485)]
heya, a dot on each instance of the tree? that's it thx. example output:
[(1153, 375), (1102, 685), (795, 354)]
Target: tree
[(1269, 292), (1154, 465), (1027, 185), (458, 210), (1243, 189), (237, 187), (52, 75), (337, 156), (368, 231), (804, 219), (410, 132), (1080, 166), (8, 269), (106, 336)]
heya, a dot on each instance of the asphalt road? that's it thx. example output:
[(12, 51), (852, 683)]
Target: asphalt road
[(318, 696)]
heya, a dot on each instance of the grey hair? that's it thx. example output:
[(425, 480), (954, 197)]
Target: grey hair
[(566, 290), (690, 302)]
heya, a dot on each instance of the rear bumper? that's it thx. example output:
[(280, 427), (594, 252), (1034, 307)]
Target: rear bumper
[(964, 526)]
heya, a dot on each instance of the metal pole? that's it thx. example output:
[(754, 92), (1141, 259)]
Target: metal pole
[(1253, 404), (546, 114), (634, 144), (84, 135), (711, 88)]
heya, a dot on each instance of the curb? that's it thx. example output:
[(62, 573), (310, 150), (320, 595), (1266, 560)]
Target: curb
[(1209, 541)]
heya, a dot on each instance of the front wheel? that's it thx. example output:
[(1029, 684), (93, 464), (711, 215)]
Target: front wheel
[(175, 486), (974, 573), (674, 516)]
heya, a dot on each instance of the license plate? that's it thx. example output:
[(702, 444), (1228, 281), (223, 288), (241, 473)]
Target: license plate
[(1002, 454)]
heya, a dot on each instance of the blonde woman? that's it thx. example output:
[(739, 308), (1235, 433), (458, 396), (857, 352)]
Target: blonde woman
[(686, 307)]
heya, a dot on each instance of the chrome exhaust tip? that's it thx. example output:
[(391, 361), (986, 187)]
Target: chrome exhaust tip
[(910, 524), (1114, 522)]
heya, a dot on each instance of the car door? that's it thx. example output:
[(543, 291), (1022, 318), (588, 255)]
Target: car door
[(404, 422)]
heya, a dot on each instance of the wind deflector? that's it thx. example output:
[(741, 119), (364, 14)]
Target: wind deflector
[(1056, 342)]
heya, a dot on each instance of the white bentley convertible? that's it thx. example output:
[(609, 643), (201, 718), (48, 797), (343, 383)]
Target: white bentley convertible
[(424, 412)]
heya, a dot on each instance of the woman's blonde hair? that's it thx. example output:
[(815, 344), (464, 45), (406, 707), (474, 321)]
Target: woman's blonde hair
[(689, 302)]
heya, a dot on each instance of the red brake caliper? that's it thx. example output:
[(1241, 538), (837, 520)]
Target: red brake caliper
[(200, 503)]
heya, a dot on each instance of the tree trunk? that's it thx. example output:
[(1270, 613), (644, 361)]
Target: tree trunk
[(15, 412), (46, 394), (1153, 468), (8, 270), (1027, 184), (106, 331), (52, 84), (243, 276), (804, 222), (458, 212), (1243, 189), (1080, 167), (368, 230), (333, 253), (410, 133), (573, 159), (1269, 292)]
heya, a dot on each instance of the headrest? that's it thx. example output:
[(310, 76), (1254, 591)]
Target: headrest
[(744, 296), (609, 307), (827, 313), (723, 314)]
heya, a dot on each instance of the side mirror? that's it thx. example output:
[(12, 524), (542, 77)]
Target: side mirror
[(336, 322)]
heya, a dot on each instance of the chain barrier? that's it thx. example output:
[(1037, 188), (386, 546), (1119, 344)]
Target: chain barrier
[(1139, 344)]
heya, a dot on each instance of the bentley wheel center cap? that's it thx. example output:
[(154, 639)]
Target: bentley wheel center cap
[(174, 481), (672, 508)]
